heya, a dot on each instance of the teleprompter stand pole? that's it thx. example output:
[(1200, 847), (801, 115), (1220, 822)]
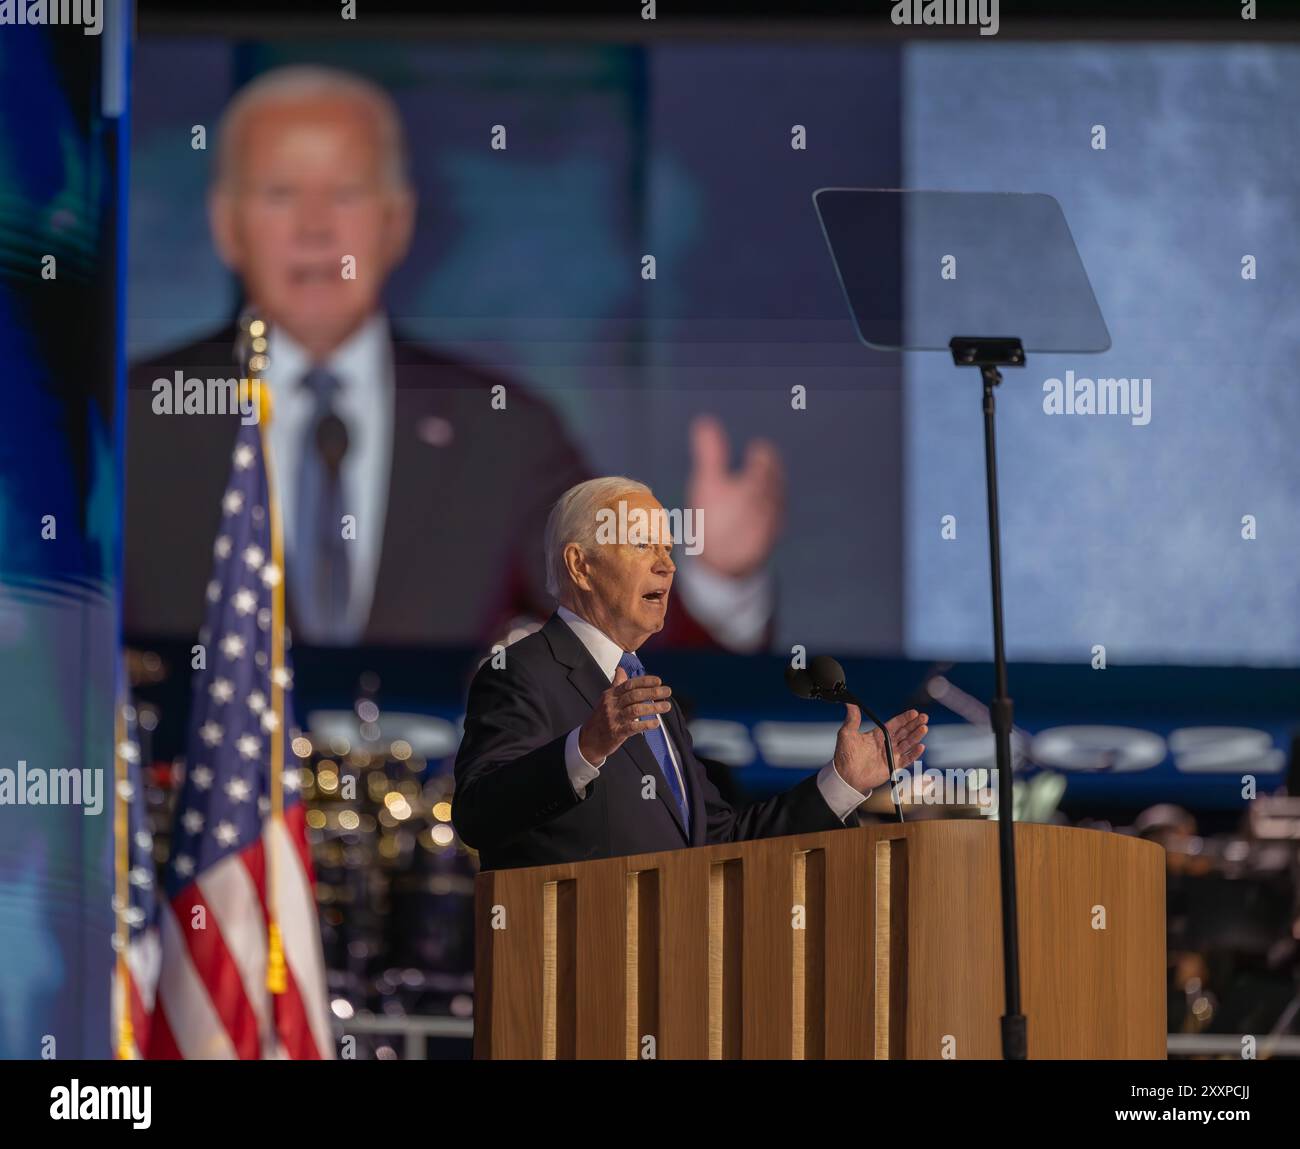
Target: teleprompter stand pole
[(988, 354)]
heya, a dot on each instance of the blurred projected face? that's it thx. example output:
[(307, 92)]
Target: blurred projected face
[(309, 185)]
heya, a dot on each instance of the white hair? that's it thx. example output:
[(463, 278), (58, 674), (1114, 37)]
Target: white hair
[(573, 520), (303, 83)]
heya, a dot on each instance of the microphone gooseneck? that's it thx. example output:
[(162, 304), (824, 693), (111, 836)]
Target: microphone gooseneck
[(825, 681)]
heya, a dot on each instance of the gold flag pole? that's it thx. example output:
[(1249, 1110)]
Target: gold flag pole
[(121, 870), (276, 976)]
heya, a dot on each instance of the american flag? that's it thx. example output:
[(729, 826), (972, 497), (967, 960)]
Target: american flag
[(135, 973), (240, 891)]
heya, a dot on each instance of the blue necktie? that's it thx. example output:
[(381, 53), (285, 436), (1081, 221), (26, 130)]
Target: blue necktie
[(324, 577), (654, 735)]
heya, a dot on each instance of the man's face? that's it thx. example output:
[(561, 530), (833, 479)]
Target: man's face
[(628, 583), (307, 188)]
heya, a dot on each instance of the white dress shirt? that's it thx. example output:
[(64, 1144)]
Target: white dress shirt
[(365, 402), (842, 798)]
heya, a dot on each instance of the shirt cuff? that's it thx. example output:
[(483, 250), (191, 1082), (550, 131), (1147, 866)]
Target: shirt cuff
[(735, 611), (842, 798), (581, 772)]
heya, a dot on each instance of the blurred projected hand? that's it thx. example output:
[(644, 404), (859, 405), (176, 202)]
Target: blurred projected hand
[(742, 509)]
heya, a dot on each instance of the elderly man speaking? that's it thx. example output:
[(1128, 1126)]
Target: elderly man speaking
[(573, 751)]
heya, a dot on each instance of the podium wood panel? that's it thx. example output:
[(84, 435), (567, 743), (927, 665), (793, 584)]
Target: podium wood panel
[(881, 941)]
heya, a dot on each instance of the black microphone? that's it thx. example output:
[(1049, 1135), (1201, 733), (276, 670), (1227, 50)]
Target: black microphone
[(799, 681), (828, 675), (825, 681)]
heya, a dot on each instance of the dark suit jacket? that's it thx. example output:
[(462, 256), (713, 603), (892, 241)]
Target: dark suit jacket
[(514, 802), (468, 496)]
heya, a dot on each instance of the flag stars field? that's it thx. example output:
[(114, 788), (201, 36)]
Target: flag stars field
[(238, 790), (222, 690)]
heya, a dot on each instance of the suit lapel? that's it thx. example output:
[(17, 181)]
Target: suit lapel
[(691, 771), (647, 763), (591, 683)]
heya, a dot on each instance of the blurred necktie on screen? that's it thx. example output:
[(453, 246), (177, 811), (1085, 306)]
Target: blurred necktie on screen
[(323, 579)]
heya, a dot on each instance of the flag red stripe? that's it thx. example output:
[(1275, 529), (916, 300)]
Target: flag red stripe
[(291, 1021), (290, 1014), (139, 1020), (162, 1042), (219, 973)]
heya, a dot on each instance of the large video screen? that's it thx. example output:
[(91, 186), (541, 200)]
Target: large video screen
[(623, 238)]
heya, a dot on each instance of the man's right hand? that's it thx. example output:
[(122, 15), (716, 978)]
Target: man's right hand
[(618, 715)]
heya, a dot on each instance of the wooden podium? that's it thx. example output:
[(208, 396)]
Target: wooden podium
[(877, 942)]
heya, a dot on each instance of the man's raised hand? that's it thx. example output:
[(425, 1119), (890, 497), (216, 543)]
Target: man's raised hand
[(619, 714)]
